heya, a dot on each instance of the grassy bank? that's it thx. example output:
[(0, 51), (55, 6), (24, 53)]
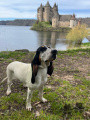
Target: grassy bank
[(85, 44), (82, 46), (46, 26), (67, 90)]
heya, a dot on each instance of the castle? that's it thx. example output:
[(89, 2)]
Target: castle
[(50, 14)]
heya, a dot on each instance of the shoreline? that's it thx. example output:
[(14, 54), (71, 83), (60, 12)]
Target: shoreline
[(26, 51), (83, 46), (51, 29)]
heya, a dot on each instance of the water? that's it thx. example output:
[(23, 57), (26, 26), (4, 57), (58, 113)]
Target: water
[(21, 37)]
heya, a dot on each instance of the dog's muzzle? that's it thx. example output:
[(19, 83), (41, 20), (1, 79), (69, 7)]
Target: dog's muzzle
[(53, 56)]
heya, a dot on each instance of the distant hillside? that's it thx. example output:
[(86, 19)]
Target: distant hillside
[(30, 22), (18, 22), (85, 20)]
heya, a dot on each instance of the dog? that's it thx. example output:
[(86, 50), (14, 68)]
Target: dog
[(32, 75)]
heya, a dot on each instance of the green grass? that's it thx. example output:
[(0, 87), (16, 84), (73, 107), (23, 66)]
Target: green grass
[(85, 44), (60, 106), (15, 100), (67, 101), (11, 55), (41, 25)]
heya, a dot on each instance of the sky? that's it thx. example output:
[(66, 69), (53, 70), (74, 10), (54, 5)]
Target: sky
[(27, 9)]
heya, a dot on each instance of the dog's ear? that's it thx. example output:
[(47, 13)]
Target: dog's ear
[(36, 60), (34, 73), (35, 63), (50, 69)]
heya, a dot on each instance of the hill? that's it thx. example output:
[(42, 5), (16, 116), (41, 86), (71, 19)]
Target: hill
[(30, 22), (85, 21), (19, 22)]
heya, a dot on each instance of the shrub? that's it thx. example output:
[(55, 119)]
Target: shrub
[(77, 34)]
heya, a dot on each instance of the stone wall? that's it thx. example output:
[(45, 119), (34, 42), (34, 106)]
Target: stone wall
[(55, 22), (63, 24), (73, 23)]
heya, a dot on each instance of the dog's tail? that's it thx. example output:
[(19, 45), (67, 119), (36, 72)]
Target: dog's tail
[(3, 79)]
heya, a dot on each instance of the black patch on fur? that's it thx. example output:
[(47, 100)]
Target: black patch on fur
[(41, 49), (50, 69), (36, 59)]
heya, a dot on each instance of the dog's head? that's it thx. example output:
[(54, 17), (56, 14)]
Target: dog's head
[(43, 54)]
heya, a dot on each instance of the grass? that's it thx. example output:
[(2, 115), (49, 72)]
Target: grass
[(85, 44), (15, 100), (41, 25), (10, 55), (66, 100)]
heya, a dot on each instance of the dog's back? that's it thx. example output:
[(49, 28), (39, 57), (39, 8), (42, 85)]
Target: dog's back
[(19, 70)]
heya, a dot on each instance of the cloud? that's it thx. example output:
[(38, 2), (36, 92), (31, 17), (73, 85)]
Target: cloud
[(28, 8), (11, 13)]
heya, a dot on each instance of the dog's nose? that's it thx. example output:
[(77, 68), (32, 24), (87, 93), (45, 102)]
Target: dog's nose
[(54, 52)]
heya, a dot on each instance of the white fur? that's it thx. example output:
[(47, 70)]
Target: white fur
[(23, 72)]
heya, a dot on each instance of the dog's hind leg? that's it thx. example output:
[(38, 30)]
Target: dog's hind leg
[(9, 81)]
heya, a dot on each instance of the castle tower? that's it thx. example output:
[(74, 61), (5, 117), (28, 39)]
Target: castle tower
[(40, 13), (55, 22), (47, 12), (73, 21), (55, 11)]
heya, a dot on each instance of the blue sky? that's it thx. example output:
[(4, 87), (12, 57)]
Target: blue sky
[(22, 9)]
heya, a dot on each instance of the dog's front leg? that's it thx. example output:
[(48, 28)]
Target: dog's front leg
[(41, 94), (28, 101)]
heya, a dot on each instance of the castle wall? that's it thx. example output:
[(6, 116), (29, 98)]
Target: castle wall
[(72, 23), (55, 22), (63, 24), (40, 15), (47, 14), (51, 15), (43, 16)]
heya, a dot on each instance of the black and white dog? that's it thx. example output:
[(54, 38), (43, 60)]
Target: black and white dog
[(33, 75)]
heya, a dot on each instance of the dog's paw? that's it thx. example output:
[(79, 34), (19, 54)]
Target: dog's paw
[(8, 92), (44, 100), (29, 107)]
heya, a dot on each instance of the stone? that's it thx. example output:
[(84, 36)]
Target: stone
[(23, 50)]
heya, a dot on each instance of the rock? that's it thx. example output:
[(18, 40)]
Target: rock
[(37, 114), (39, 105), (23, 50), (87, 113)]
